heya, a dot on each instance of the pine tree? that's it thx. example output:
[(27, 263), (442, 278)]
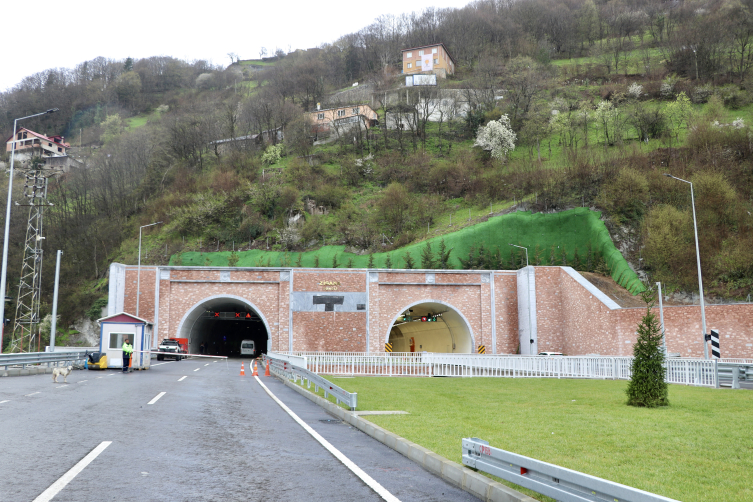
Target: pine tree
[(647, 386), (350, 263), (577, 265), (552, 257), (316, 261), (564, 256), (334, 261), (409, 263), (298, 261), (371, 261), (427, 258), (443, 260), (388, 262), (233, 259)]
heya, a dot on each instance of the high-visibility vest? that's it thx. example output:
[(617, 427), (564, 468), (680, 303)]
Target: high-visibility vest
[(127, 348)]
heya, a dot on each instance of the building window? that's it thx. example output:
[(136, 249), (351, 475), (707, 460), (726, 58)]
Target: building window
[(410, 65), (60, 149), (320, 116), (436, 61), (355, 111), (420, 53), (340, 113), (49, 144), (408, 56), (434, 50)]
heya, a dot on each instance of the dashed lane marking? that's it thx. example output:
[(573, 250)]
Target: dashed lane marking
[(182, 378), (197, 369), (166, 362), (82, 381), (156, 398), (207, 364), (6, 401), (58, 485), (370, 482), (27, 395)]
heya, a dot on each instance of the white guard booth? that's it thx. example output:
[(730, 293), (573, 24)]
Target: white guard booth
[(114, 329)]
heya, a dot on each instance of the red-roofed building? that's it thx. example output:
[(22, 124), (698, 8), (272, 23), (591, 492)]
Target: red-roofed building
[(35, 144)]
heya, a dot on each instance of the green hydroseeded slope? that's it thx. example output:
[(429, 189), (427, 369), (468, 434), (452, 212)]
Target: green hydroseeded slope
[(568, 229)]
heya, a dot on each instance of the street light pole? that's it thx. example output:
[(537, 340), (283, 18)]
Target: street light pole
[(698, 261), (525, 249), (4, 271), (138, 275), (530, 320)]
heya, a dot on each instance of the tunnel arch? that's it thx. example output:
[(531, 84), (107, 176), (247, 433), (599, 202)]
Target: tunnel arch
[(453, 318), (217, 302)]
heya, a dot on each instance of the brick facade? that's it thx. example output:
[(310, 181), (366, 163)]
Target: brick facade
[(571, 315)]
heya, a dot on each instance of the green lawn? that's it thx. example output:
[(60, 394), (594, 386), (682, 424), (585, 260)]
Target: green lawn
[(700, 448)]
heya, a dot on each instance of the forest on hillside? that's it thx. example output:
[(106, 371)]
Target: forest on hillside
[(600, 98)]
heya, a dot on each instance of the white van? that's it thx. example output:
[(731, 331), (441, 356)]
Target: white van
[(248, 348)]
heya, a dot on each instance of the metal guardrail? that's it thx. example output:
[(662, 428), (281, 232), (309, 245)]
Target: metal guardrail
[(551, 480), (24, 359), (285, 368)]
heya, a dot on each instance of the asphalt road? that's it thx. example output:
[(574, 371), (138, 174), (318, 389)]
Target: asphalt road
[(213, 435)]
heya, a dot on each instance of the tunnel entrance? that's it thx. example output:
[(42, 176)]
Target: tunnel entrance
[(431, 327), (220, 324)]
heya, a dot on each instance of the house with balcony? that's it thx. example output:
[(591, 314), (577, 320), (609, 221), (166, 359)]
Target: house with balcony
[(33, 144), (433, 58), (341, 118)]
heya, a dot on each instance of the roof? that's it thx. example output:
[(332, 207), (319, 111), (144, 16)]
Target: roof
[(40, 136), (124, 318), (433, 45)]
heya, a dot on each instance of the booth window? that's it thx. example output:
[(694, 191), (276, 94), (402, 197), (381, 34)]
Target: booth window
[(116, 339)]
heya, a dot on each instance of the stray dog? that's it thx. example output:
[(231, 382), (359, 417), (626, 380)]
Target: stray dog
[(64, 372)]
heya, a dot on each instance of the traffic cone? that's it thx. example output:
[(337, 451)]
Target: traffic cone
[(266, 371), (255, 373), (243, 372)]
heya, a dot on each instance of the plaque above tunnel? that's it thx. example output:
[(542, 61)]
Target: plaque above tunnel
[(305, 301)]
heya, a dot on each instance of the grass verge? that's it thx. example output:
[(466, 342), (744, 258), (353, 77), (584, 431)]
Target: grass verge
[(699, 448)]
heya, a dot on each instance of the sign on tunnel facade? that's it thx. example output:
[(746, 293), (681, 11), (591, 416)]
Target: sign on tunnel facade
[(355, 310)]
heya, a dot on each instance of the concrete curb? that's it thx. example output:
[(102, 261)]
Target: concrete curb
[(466, 479)]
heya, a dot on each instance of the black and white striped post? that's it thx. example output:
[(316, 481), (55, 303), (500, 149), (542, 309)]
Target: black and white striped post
[(715, 352)]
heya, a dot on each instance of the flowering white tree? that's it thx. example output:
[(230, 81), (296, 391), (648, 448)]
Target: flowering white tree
[(497, 136)]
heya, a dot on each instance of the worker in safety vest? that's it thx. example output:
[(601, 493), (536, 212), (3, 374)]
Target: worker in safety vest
[(127, 353)]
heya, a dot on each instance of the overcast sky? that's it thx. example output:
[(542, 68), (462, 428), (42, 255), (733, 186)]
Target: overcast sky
[(80, 30)]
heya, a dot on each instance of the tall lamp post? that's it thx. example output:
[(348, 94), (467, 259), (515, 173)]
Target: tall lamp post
[(4, 271), (698, 260), (138, 278), (530, 321), (524, 249)]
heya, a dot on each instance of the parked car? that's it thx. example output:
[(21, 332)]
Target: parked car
[(172, 346)]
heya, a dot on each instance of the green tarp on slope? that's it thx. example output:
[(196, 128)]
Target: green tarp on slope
[(576, 227)]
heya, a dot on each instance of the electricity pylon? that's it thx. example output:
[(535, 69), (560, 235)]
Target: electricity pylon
[(26, 325)]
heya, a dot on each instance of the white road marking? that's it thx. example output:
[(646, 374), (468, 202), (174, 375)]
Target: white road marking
[(197, 369), (370, 482), (99, 377), (112, 374), (61, 386), (156, 398), (27, 395), (182, 378), (166, 362), (6, 401), (58, 485), (207, 364), (82, 381)]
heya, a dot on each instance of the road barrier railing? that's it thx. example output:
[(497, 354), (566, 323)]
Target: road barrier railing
[(697, 372), (24, 359), (294, 368), (551, 480)]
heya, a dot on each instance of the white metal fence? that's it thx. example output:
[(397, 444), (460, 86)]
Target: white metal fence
[(699, 372)]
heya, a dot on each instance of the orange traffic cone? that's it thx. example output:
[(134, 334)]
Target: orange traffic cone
[(243, 372), (266, 371), (255, 373)]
